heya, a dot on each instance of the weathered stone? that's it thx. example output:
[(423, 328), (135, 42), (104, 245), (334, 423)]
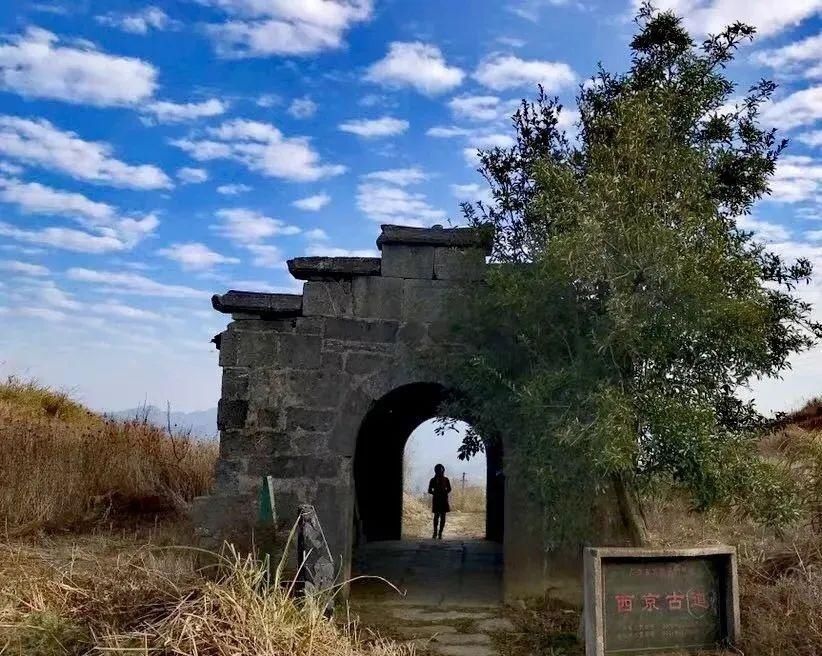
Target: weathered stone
[(412, 333), (258, 303), (231, 414), (333, 268), (309, 419), (235, 383), (459, 263), (300, 351), (378, 298), (495, 625), (436, 236), (299, 466), (404, 261), (365, 363), (432, 299), (256, 349), (228, 349), (316, 389), (328, 298), (360, 330)]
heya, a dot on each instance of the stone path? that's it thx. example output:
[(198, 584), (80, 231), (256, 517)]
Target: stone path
[(450, 599)]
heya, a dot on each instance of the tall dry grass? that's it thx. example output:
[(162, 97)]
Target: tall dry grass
[(62, 465)]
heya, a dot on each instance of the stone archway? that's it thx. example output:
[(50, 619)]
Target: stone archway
[(303, 372), (379, 457)]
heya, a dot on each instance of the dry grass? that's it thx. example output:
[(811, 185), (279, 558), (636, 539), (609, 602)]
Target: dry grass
[(62, 465), (120, 595)]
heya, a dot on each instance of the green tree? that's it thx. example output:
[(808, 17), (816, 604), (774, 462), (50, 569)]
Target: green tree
[(627, 309)]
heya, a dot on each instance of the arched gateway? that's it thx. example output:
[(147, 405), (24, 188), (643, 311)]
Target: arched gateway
[(321, 390)]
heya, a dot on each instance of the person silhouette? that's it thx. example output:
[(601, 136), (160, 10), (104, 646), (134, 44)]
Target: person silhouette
[(439, 487)]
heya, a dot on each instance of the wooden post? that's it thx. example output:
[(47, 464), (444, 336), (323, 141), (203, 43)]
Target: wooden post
[(316, 574)]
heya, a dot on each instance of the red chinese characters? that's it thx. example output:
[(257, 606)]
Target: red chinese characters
[(625, 603), (675, 600), (650, 601)]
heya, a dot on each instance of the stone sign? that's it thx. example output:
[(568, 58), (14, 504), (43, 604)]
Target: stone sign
[(643, 601)]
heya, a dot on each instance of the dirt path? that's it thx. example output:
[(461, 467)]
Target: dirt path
[(451, 595)]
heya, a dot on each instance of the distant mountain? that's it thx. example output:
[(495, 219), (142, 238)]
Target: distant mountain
[(202, 423)]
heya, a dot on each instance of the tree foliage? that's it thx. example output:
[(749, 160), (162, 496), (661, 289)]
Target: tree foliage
[(626, 308)]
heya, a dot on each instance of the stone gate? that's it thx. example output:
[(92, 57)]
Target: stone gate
[(321, 390)]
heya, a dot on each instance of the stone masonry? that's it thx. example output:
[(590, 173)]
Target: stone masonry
[(302, 372)]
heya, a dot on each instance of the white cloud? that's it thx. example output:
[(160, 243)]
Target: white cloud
[(47, 314), (812, 139), (508, 71), (797, 178), (476, 108), (122, 311), (769, 17), (471, 192), (800, 108), (448, 131), (400, 177), (244, 226), (316, 234), (795, 56), (417, 65), (64, 238), (327, 251), (260, 28), (36, 198), (266, 255), (232, 189), (164, 111), (36, 66), (268, 100), (313, 203), (389, 204), (23, 268), (190, 175), (193, 256), (262, 148), (10, 169), (530, 10), (41, 143), (377, 127), (302, 107), (132, 283), (140, 22), (764, 230)]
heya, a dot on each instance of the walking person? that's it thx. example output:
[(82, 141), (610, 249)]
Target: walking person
[(439, 487)]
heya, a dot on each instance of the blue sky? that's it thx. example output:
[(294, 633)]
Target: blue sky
[(151, 155)]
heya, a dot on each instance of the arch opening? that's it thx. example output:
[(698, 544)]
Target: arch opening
[(379, 473)]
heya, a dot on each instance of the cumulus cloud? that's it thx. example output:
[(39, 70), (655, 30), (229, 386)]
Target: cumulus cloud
[(797, 178), (764, 230), (194, 256), (799, 108), (382, 196), (812, 139), (243, 226), (23, 268), (190, 175), (132, 283), (41, 143), (260, 28), (262, 148), (471, 192), (118, 231), (711, 16), (36, 65), (64, 238), (313, 203), (508, 72), (417, 65), (377, 127), (477, 108), (400, 177), (302, 107), (233, 189), (164, 111), (795, 56), (139, 22)]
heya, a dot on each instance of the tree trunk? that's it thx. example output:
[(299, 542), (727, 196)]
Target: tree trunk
[(630, 513)]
